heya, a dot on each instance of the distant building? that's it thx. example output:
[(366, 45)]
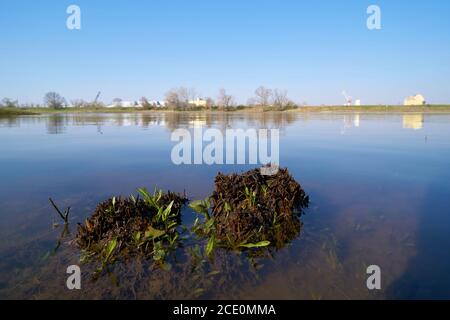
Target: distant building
[(417, 100), (199, 102), (136, 104), (157, 103), (357, 102), (125, 104)]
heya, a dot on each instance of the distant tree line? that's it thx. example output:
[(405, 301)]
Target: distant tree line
[(180, 98), (8, 103)]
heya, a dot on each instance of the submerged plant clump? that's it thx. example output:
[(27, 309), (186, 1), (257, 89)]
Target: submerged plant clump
[(251, 210), (245, 211), (122, 227)]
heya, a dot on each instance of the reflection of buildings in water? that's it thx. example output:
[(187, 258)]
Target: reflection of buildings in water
[(56, 124), (158, 122), (356, 120), (127, 122), (139, 120), (413, 121), (350, 121), (197, 123), (225, 120)]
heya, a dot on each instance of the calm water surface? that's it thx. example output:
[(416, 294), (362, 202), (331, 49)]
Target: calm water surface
[(379, 186)]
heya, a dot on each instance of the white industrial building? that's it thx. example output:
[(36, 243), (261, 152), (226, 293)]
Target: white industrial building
[(136, 104), (417, 100)]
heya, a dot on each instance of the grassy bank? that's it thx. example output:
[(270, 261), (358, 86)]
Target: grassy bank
[(79, 110), (16, 112), (375, 109), (308, 109)]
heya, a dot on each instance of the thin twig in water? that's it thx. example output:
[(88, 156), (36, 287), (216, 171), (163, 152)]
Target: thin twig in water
[(64, 216)]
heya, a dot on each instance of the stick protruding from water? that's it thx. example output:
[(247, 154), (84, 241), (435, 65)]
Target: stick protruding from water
[(65, 215)]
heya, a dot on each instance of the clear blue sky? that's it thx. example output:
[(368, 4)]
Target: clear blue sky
[(313, 49)]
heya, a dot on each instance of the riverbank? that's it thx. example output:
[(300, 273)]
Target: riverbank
[(16, 112), (378, 109), (308, 109)]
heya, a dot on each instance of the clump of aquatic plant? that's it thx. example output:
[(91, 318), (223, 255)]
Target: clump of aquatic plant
[(204, 227), (251, 210), (144, 225)]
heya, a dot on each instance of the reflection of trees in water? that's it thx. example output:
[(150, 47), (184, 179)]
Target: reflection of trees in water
[(187, 120), (270, 120), (223, 121), (56, 124), (9, 122), (17, 121)]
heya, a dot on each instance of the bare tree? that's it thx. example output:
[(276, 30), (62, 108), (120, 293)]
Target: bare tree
[(173, 99), (210, 103), (54, 100), (8, 103), (179, 97), (280, 98), (263, 96), (225, 100), (144, 103), (79, 103)]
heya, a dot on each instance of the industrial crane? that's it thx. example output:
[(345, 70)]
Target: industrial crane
[(96, 97), (348, 99)]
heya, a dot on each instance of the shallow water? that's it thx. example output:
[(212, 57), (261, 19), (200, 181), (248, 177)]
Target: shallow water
[(379, 188)]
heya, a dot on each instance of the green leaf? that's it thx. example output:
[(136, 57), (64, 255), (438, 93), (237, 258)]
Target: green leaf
[(158, 195), (213, 273), (201, 206), (159, 255), (173, 224), (198, 292), (197, 206), (144, 193), (166, 266), (210, 246), (149, 199), (255, 245), (196, 222), (153, 233), (167, 211), (110, 248), (209, 224)]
